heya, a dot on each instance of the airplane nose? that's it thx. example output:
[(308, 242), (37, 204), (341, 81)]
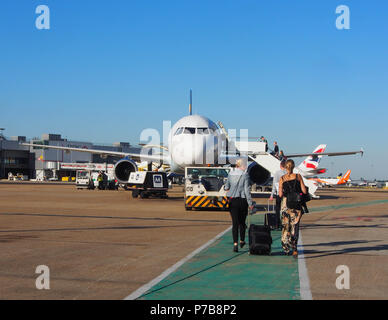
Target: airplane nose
[(195, 150)]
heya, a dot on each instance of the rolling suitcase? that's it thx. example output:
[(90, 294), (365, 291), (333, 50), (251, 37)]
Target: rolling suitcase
[(260, 239), (270, 219)]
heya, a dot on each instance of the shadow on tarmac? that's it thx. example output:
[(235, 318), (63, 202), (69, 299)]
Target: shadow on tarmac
[(327, 197), (325, 253), (342, 226), (106, 228), (339, 243), (11, 238), (171, 198), (109, 217)]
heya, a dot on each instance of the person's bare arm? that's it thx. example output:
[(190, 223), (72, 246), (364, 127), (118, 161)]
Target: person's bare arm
[(281, 187), (302, 186)]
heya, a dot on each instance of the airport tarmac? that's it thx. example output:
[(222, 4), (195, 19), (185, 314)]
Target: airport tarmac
[(106, 245)]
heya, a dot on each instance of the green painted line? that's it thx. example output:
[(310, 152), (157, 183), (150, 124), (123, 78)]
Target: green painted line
[(218, 273)]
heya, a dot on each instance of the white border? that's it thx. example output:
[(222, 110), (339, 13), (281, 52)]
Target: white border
[(305, 292)]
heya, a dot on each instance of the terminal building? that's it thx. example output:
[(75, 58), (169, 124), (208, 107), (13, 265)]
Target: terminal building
[(42, 164), (15, 158)]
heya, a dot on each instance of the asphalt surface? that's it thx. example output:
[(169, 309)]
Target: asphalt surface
[(105, 245)]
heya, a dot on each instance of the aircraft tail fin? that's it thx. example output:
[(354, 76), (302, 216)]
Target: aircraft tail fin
[(345, 177), (312, 162)]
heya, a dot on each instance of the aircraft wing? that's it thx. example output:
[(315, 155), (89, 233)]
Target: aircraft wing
[(329, 154), (135, 156)]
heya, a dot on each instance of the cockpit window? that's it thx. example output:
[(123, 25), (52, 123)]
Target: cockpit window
[(189, 131), (179, 131), (203, 130)]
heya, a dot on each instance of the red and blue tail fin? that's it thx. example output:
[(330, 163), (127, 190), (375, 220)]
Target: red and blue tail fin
[(312, 162)]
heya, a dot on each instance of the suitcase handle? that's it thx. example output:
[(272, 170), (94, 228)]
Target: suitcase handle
[(273, 205), (250, 212)]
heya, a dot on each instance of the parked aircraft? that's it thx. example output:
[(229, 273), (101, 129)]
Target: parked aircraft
[(331, 182)]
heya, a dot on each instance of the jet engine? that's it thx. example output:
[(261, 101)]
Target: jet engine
[(258, 174), (123, 169)]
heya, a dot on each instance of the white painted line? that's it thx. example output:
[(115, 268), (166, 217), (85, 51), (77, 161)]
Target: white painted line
[(305, 292), (143, 289)]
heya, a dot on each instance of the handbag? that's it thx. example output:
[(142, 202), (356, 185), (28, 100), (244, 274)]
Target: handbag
[(306, 197)]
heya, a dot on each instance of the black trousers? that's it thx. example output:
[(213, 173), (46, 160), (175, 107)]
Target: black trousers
[(278, 204), (238, 210)]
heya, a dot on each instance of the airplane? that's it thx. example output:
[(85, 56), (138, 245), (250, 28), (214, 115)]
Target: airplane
[(192, 141), (332, 182)]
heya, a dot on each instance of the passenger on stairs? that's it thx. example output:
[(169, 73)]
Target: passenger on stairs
[(275, 151), (262, 139)]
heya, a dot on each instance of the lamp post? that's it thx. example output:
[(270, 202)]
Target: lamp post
[(1, 151), (332, 168)]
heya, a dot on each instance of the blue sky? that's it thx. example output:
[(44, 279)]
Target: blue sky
[(107, 70)]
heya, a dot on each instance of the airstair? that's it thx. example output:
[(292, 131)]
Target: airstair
[(256, 152), (267, 161)]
